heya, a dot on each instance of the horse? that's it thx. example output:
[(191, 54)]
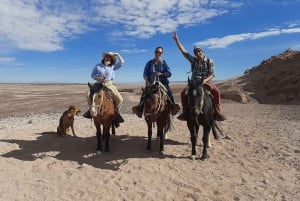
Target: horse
[(200, 112), (102, 112), (157, 109)]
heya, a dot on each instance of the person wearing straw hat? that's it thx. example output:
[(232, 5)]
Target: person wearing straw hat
[(104, 72)]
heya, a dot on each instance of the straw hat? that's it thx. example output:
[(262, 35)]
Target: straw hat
[(111, 54)]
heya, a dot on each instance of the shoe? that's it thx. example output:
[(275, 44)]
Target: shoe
[(182, 117), (118, 118), (175, 109), (137, 110), (219, 117), (87, 115)]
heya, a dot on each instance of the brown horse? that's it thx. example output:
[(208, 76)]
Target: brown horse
[(157, 108), (200, 112), (102, 111)]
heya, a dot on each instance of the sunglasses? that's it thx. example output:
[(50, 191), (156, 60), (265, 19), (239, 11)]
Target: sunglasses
[(157, 52)]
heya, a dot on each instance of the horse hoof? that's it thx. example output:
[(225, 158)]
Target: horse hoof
[(203, 158), (227, 137), (193, 157), (98, 153), (162, 152), (208, 146)]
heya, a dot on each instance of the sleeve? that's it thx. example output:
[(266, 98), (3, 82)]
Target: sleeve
[(189, 57), (211, 66), (167, 69), (118, 65), (94, 72), (147, 70)]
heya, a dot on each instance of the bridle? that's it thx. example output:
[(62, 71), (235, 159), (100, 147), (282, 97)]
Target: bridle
[(98, 109), (159, 104)]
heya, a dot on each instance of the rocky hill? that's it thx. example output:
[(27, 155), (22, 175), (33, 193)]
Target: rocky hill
[(274, 81)]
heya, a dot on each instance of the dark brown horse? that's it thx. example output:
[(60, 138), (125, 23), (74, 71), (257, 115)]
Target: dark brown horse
[(102, 111), (200, 112), (157, 110)]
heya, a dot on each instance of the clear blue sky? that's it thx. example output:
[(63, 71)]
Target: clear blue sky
[(61, 41)]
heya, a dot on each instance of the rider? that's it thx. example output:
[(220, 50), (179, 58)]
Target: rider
[(203, 66), (157, 68), (104, 73)]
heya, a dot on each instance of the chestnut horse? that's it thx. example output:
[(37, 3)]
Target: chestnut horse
[(157, 109), (102, 112), (200, 112)]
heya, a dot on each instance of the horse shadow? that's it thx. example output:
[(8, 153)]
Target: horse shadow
[(82, 150)]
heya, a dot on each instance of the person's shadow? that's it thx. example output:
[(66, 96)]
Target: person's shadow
[(82, 150)]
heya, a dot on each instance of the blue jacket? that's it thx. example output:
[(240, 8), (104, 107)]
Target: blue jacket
[(151, 68)]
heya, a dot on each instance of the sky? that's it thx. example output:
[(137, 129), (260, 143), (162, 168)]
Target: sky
[(61, 41)]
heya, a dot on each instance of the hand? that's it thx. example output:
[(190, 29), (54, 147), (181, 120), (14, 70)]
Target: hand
[(100, 79), (157, 74), (175, 36)]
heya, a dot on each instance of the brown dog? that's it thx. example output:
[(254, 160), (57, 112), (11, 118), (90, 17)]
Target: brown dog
[(67, 120)]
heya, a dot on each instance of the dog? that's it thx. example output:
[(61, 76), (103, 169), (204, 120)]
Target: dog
[(67, 120)]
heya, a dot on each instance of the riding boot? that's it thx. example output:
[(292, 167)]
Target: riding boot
[(175, 109), (137, 110), (87, 115), (118, 118), (184, 101), (182, 116), (217, 113)]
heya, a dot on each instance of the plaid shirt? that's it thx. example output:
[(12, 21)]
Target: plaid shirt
[(200, 68)]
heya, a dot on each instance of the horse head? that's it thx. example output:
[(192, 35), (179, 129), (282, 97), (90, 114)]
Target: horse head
[(95, 98), (153, 100), (195, 97)]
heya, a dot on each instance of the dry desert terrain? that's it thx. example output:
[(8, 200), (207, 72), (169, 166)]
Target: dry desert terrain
[(261, 161)]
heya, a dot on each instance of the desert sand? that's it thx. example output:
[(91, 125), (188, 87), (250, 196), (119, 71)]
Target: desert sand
[(261, 161)]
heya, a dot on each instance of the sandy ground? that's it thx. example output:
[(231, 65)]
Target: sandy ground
[(260, 162)]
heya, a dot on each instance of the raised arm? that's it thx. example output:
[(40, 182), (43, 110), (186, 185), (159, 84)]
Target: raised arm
[(178, 43), (120, 58)]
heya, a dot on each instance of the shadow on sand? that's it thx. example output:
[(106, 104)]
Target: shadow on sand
[(82, 150)]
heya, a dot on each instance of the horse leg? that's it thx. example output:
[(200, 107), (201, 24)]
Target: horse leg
[(106, 138), (214, 130), (99, 139), (205, 138), (113, 130), (149, 125), (193, 136), (160, 133)]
